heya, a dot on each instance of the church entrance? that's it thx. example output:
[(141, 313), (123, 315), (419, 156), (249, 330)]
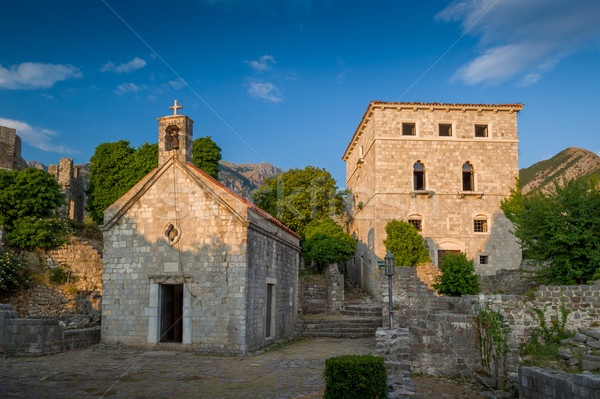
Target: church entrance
[(171, 312)]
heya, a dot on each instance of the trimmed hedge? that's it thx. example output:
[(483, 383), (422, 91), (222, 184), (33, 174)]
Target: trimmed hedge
[(355, 376)]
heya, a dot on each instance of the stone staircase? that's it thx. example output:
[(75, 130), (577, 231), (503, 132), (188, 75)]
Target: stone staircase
[(359, 324)]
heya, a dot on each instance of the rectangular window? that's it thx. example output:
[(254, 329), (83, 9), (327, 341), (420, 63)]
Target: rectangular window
[(409, 129), (416, 223), (445, 130), (480, 226), (483, 259), (481, 130)]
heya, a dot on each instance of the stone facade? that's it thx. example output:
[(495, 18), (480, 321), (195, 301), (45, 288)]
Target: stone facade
[(427, 163), (182, 251), (10, 150)]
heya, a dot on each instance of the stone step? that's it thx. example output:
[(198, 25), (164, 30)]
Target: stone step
[(364, 313), (396, 367), (361, 321), (338, 334), (339, 327)]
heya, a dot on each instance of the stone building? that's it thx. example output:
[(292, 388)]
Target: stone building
[(187, 261), (442, 167), (10, 150)]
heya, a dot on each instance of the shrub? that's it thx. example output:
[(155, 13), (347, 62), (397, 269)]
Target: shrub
[(62, 275), (406, 244), (458, 276), (14, 271), (326, 243), (355, 376)]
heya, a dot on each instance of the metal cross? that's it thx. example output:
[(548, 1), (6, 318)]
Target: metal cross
[(175, 107)]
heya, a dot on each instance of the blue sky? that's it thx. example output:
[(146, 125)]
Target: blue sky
[(287, 82)]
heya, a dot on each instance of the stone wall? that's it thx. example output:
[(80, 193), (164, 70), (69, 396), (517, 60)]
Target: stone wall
[(444, 326), (335, 288), (537, 383), (34, 337), (82, 296)]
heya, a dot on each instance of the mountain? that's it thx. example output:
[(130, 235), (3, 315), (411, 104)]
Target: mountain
[(569, 164), (37, 165), (246, 177)]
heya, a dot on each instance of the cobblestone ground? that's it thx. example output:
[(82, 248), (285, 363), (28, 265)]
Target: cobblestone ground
[(292, 371)]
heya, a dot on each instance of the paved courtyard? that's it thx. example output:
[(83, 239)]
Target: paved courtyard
[(293, 371)]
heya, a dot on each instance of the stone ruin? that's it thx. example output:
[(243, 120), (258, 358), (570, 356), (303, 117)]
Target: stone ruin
[(10, 150), (69, 176), (73, 186)]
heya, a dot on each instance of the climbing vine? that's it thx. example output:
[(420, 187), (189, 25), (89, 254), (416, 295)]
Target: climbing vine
[(493, 342)]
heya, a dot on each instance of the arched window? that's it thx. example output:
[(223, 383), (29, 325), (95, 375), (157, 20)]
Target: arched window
[(467, 177), (418, 176), (416, 221), (480, 224)]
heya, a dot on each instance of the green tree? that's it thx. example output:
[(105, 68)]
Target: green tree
[(458, 276), (406, 244), (207, 155), (14, 271), (300, 195), (560, 230), (115, 168), (326, 242), (29, 202)]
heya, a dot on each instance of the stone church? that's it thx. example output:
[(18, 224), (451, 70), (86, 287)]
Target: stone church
[(443, 168), (189, 262)]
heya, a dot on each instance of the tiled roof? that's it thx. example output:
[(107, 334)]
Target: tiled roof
[(249, 204), (517, 107)]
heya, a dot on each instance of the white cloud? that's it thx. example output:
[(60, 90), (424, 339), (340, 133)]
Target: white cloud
[(34, 75), (263, 63), (40, 138), (522, 38), (265, 91), (127, 67), (177, 84), (126, 88)]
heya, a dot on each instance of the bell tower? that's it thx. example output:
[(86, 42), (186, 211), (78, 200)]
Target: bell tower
[(175, 137)]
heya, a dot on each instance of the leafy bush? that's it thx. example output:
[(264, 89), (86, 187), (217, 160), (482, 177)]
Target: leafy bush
[(88, 229), (558, 231), (493, 342), (355, 376), (406, 244), (14, 271), (548, 335), (326, 242), (458, 276), (29, 202)]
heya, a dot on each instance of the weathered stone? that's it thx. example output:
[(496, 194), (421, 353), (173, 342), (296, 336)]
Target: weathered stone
[(594, 333), (595, 343)]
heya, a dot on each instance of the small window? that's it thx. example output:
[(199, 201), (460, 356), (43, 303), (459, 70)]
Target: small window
[(419, 176), (445, 130), (481, 130), (409, 129), (467, 177), (480, 225), (416, 223), (483, 259)]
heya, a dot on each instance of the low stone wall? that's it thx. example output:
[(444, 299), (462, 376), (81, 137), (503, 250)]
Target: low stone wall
[(443, 327), (537, 383), (34, 337), (506, 282)]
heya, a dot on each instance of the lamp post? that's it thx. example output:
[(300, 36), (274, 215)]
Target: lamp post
[(390, 271)]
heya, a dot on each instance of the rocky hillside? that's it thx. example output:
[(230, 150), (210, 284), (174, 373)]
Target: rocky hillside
[(571, 163), (246, 177)]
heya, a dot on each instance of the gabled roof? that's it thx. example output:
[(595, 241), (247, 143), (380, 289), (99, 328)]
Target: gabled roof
[(249, 204), (365, 118), (115, 211)]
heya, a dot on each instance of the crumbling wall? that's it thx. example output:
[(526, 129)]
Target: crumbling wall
[(10, 150), (537, 383), (73, 186)]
